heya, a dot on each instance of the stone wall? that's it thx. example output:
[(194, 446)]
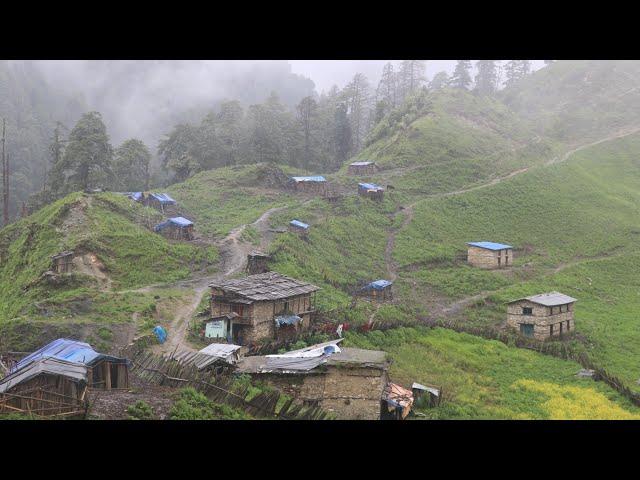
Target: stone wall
[(484, 258), (542, 318), (362, 169), (348, 393)]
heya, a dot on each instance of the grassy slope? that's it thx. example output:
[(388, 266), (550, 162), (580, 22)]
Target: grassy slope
[(581, 216), (485, 379), (105, 225)]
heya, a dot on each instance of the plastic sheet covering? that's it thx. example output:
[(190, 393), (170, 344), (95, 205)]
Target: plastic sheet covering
[(160, 333)]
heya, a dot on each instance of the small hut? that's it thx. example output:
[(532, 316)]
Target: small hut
[(159, 201), (103, 371), (219, 327), (542, 316), (371, 190), (380, 290), (178, 228), (45, 387), (62, 262), (218, 356), (362, 168), (316, 185), (257, 262), (424, 395), (299, 228), (136, 196), (489, 255)]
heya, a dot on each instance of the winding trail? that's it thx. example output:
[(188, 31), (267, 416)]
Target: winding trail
[(233, 253), (438, 306)]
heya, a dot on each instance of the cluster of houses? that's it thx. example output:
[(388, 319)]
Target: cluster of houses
[(175, 227)]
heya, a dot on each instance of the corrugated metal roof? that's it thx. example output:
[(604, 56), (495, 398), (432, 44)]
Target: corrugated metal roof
[(298, 223), (419, 386), (313, 178), (550, 299), (489, 245), (68, 350), (209, 355), (265, 286), (361, 164), (370, 186), (163, 198), (181, 221), (50, 365), (62, 254), (379, 284)]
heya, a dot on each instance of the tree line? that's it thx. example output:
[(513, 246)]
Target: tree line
[(319, 134)]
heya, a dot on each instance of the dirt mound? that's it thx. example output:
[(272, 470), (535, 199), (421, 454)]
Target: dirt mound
[(271, 176)]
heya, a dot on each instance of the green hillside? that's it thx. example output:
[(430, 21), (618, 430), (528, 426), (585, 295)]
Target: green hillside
[(115, 251)]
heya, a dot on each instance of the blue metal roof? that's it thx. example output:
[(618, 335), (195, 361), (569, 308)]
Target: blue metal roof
[(370, 186), (361, 164), (181, 221), (316, 178), (489, 245), (163, 198), (379, 284), (65, 349), (298, 223), (287, 320)]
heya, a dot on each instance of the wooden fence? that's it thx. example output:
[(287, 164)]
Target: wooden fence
[(158, 370)]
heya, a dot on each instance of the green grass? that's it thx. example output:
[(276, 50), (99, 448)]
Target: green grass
[(486, 379), (225, 198)]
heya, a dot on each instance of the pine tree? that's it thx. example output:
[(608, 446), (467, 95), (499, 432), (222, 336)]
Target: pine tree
[(440, 80), (512, 72), (342, 134), (411, 77), (86, 162), (131, 165), (487, 77), (358, 97), (387, 88), (461, 76), (307, 109)]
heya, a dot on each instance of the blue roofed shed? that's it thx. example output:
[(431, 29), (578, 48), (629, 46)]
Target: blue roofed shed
[(371, 190), (179, 228), (316, 184), (105, 371), (379, 290), (489, 254)]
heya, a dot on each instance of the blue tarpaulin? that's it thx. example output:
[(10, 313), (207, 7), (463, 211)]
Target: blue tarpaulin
[(179, 221), (163, 198), (160, 333), (378, 285), (298, 223), (287, 320), (360, 164), (316, 178), (489, 245), (370, 186), (65, 349), (137, 196)]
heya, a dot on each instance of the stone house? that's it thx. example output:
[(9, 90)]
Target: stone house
[(316, 185), (346, 382), (268, 306), (489, 255), (542, 316), (362, 168), (371, 190)]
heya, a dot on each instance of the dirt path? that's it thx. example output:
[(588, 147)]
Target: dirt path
[(233, 253), (438, 306)]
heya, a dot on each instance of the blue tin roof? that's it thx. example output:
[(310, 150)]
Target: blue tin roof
[(370, 186), (361, 164), (65, 349), (163, 198), (489, 245), (298, 223), (379, 284), (316, 178), (287, 320), (179, 221)]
